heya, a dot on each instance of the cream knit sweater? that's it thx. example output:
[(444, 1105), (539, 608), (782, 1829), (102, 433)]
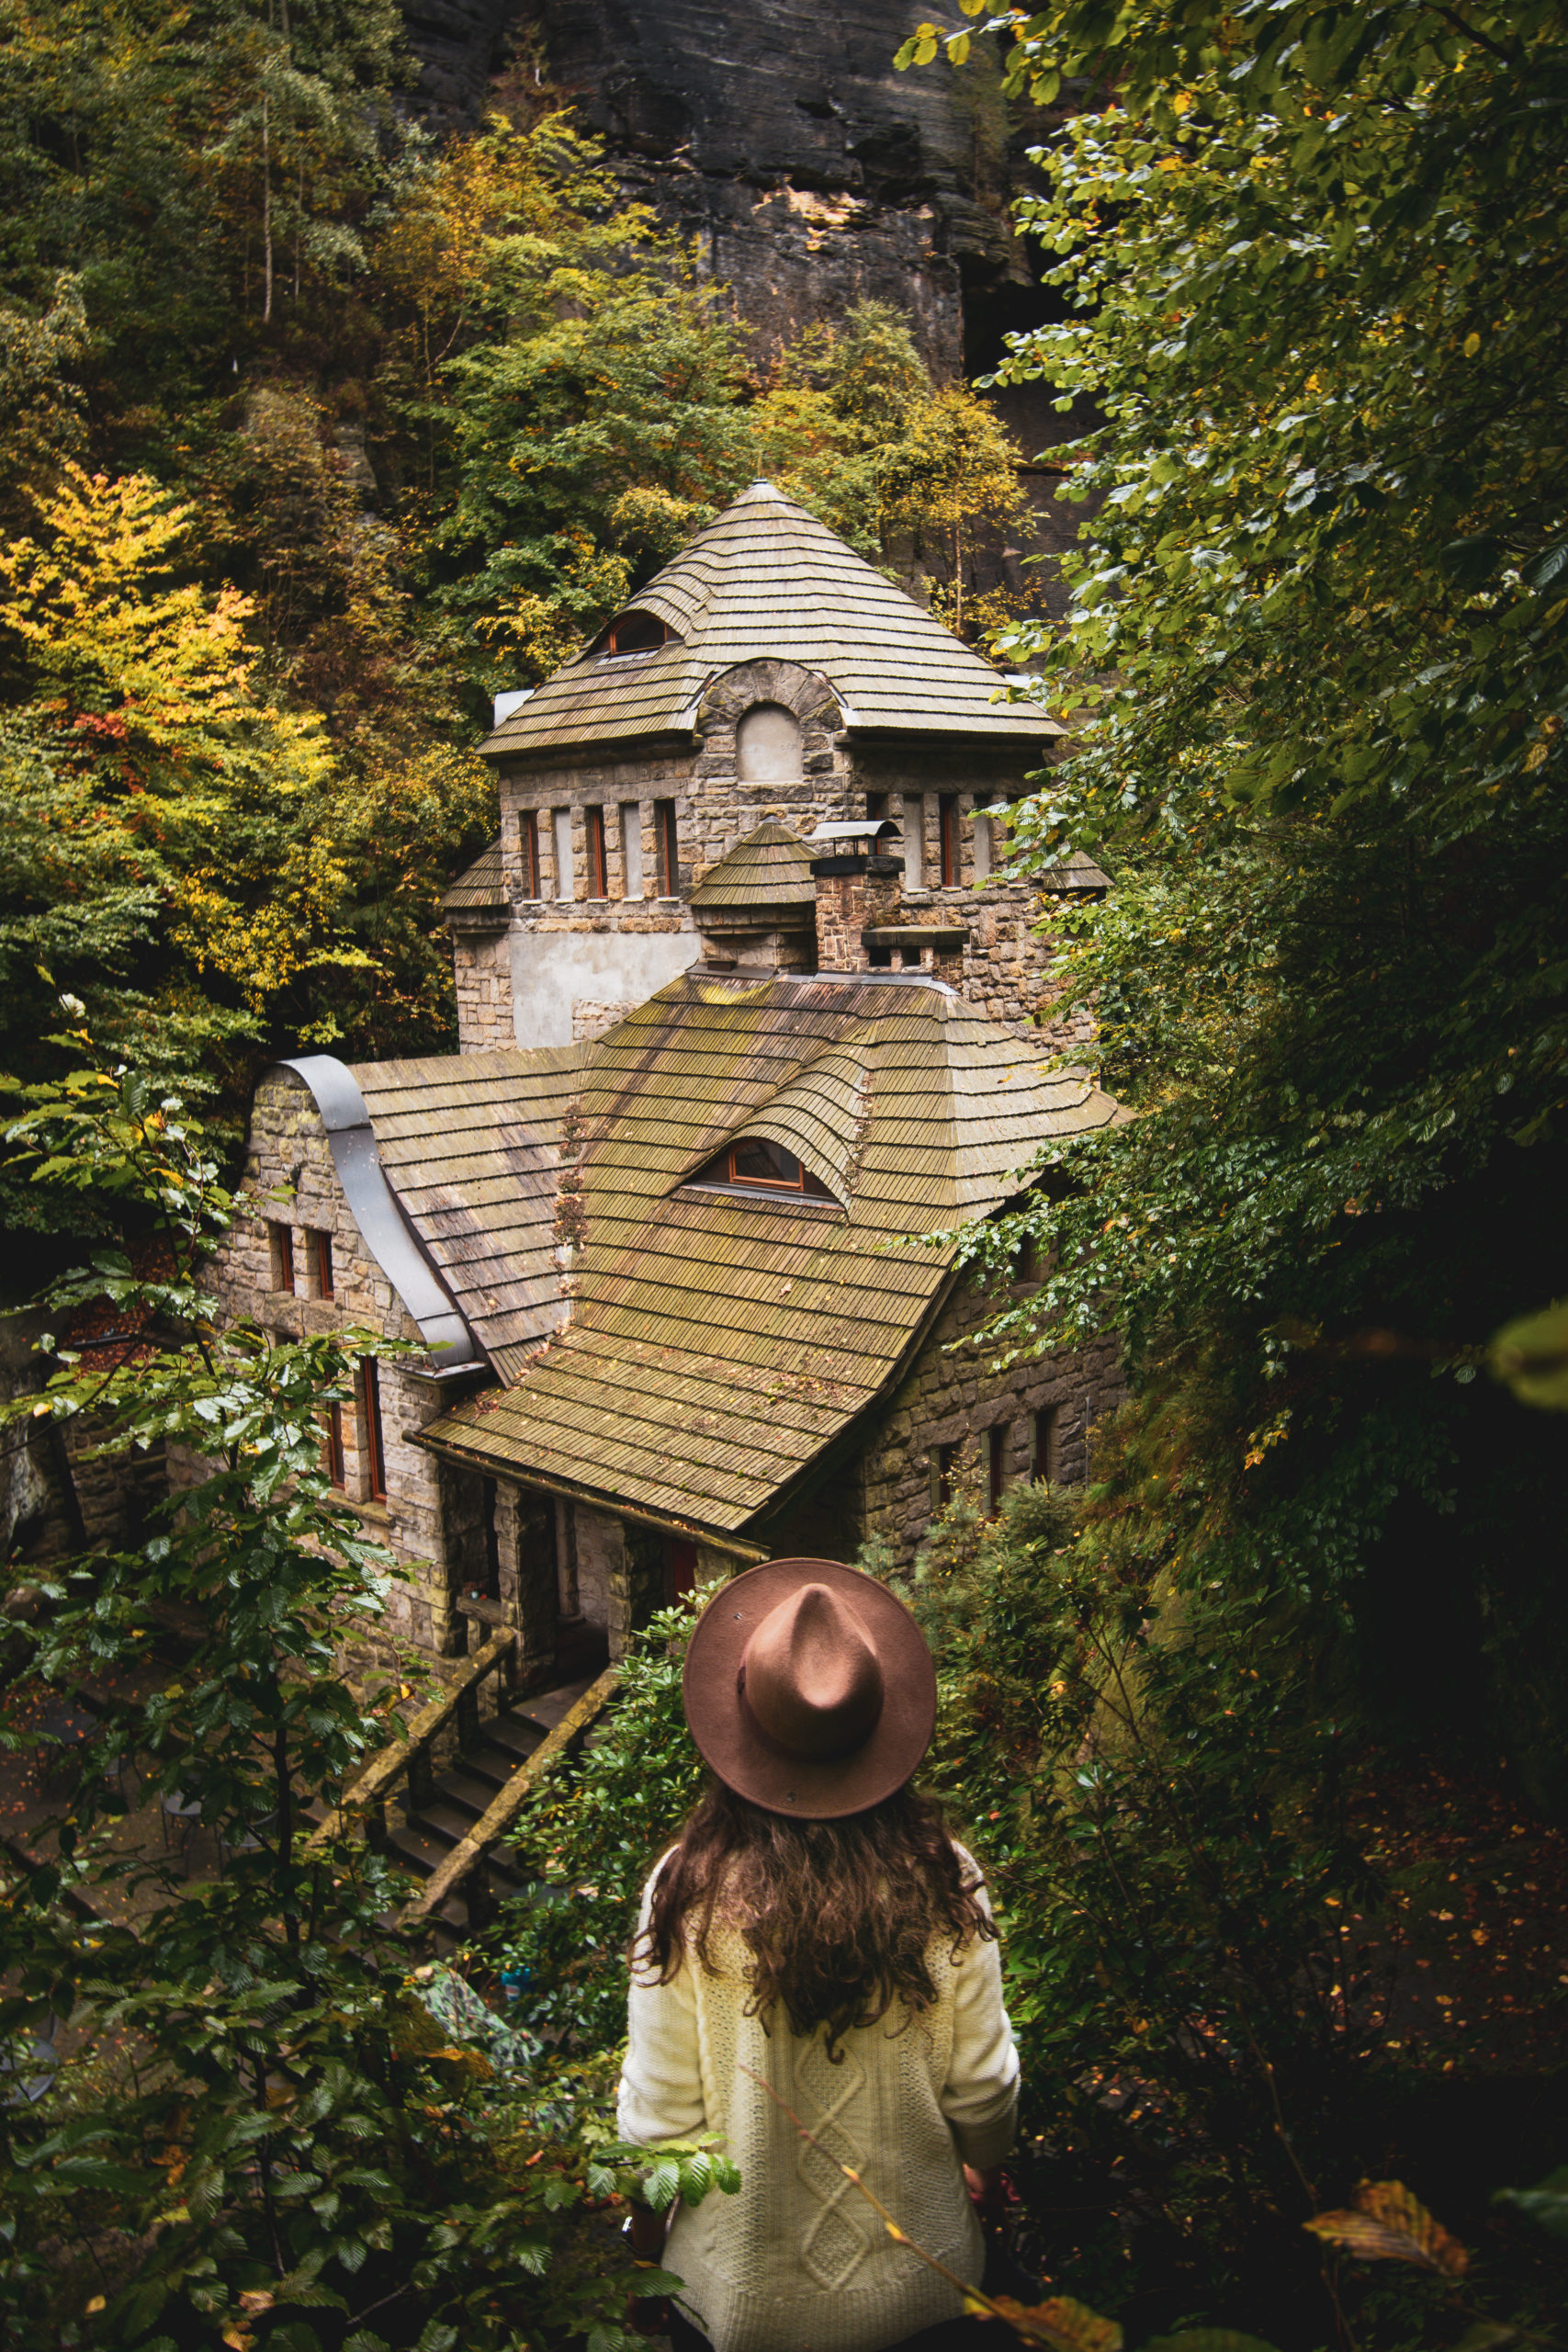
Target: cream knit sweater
[(797, 2261)]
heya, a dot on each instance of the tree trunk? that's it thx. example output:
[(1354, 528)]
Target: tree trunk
[(267, 211)]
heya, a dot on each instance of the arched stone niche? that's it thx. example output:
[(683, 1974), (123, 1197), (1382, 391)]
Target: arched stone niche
[(769, 747)]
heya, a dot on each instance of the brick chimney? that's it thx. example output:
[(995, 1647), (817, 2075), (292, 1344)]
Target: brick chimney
[(858, 884)]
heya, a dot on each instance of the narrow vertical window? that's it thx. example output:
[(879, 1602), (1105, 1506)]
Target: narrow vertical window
[(942, 1461), (667, 846), (985, 848), (280, 1248), (565, 879), (996, 1463), (947, 840), (320, 1264), (1045, 1447), (492, 1539), (876, 806), (598, 864), (631, 849), (370, 1430), (332, 1443), (528, 852), (914, 841)]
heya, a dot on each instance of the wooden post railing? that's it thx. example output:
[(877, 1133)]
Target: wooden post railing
[(411, 1756)]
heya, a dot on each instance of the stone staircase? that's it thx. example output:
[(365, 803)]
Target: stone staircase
[(462, 1793)]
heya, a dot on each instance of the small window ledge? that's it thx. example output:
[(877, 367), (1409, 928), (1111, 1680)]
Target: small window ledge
[(758, 1196)]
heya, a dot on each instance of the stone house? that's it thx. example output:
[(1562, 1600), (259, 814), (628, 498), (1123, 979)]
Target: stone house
[(767, 674), (665, 1314), (741, 1042)]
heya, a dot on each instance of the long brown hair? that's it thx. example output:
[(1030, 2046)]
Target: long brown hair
[(838, 1917)]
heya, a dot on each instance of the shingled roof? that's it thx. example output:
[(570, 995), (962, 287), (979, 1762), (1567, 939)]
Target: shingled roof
[(766, 580), (772, 867), (468, 1144), (481, 884), (718, 1342)]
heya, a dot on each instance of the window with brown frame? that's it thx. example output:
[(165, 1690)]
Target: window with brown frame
[(598, 864), (636, 633), (528, 852), (755, 1164), (374, 1452), (947, 836), (280, 1248), (667, 847), (332, 1443), (321, 1263)]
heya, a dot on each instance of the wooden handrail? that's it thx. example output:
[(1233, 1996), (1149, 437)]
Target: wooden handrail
[(370, 1787), (467, 1858)]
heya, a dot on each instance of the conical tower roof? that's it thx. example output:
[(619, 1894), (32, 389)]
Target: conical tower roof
[(772, 867), (766, 581)]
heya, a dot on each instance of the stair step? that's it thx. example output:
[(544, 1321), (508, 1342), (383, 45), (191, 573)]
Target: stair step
[(548, 1708), (442, 1819), (515, 1734), (488, 1768), (416, 1850), (471, 1784)]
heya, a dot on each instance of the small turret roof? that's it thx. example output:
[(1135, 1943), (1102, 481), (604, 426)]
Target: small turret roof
[(770, 868), (767, 581)]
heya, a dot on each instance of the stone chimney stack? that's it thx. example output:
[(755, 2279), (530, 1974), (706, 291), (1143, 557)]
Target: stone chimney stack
[(859, 884)]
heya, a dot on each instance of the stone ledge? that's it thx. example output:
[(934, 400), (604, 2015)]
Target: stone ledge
[(947, 939)]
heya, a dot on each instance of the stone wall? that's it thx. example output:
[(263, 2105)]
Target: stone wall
[(576, 955), (481, 962), (290, 1185), (937, 1431)]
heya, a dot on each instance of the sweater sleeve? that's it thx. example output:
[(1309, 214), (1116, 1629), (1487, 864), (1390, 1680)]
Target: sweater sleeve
[(979, 2097), (661, 2088)]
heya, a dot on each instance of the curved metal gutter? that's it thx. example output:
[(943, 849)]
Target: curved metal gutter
[(377, 1214)]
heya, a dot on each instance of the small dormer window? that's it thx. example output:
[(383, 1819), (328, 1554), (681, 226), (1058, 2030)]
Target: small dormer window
[(757, 1165), (636, 633)]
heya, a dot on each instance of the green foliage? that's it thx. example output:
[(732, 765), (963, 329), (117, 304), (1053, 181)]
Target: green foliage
[(1174, 1819), (1312, 279), (259, 2134)]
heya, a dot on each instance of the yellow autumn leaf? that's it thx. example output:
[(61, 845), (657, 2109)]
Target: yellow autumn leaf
[(1471, 346), (1388, 2222)]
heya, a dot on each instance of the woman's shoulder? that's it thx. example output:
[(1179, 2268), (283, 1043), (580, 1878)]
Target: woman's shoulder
[(972, 1876)]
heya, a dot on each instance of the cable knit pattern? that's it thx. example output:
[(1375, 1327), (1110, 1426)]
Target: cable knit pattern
[(797, 2261)]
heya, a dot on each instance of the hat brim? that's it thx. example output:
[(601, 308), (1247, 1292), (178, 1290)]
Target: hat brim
[(730, 1740)]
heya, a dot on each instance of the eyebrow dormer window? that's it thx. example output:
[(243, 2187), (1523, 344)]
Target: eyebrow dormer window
[(755, 1164), (636, 633)]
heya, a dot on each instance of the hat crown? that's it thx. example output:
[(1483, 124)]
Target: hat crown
[(811, 1676)]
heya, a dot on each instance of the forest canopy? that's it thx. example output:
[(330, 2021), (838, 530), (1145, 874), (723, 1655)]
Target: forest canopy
[(320, 432)]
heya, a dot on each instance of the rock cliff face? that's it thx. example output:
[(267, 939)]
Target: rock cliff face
[(777, 135)]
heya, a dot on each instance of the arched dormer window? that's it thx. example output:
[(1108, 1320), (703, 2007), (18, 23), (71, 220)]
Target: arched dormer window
[(755, 1164), (767, 745), (636, 633)]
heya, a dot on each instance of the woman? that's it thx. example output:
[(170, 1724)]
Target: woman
[(817, 1928)]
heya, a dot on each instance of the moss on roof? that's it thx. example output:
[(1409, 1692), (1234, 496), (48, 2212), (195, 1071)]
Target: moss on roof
[(766, 580), (718, 1342)]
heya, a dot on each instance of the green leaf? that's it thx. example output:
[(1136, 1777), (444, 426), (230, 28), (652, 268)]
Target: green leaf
[(1546, 2204), (1531, 1357)]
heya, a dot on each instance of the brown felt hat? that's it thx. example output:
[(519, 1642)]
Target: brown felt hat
[(809, 1688)]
